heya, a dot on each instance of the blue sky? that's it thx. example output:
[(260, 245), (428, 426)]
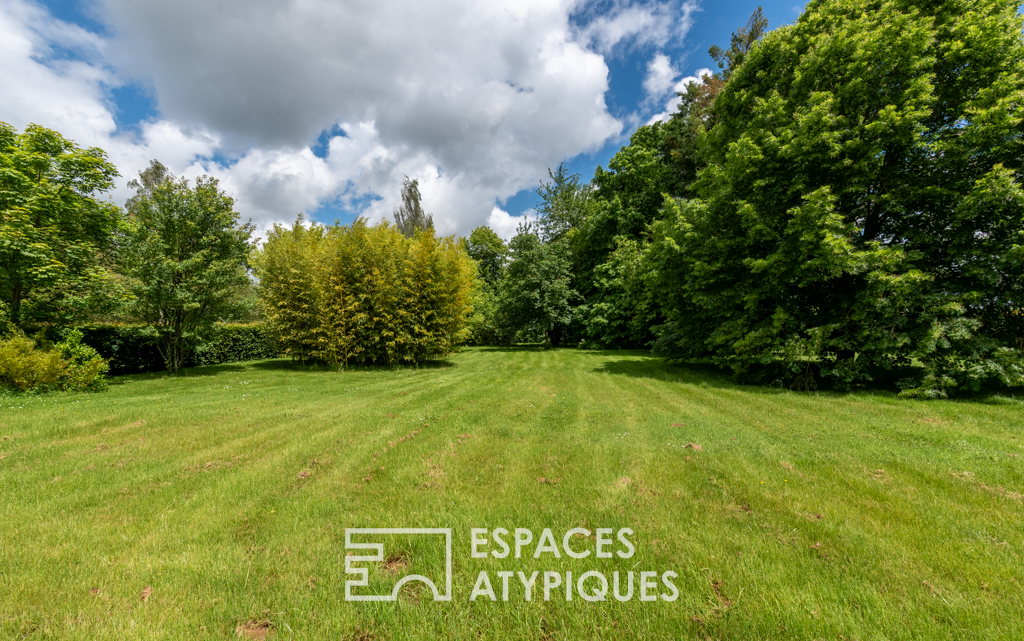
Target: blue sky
[(323, 107), (713, 24)]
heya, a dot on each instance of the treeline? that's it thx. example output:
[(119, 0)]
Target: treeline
[(86, 286), (840, 204)]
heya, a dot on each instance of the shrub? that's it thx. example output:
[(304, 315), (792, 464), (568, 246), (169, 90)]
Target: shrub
[(131, 351), (68, 365), (348, 295), (235, 343), (24, 367), (85, 368)]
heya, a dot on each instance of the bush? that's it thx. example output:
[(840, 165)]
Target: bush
[(236, 343), (128, 350), (125, 348), (131, 351), (348, 295), (484, 325), (86, 369), (68, 365)]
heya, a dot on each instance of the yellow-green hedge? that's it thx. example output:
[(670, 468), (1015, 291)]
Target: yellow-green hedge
[(360, 294)]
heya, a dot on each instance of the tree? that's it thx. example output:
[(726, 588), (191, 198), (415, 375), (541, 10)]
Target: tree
[(743, 40), (565, 204), (536, 292), (54, 233), (410, 217), (186, 255), (861, 206), (489, 251), (681, 135)]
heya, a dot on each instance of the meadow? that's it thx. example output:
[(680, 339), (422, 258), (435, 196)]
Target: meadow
[(213, 504)]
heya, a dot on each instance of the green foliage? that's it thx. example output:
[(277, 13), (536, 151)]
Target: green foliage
[(129, 349), (629, 194), (349, 295), (485, 326), (68, 365), (490, 253), (536, 294), (410, 217), (85, 368), (55, 236), (742, 41), (235, 343), (861, 206), (565, 205), (186, 255), (25, 367), (621, 313)]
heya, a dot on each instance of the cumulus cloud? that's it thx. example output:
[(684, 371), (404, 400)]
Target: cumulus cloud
[(474, 99), (674, 86), (660, 78), (505, 224)]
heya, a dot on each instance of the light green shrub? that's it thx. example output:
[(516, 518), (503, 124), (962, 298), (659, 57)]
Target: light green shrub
[(69, 365), (23, 367)]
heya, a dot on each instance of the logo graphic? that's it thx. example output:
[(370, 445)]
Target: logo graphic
[(378, 556)]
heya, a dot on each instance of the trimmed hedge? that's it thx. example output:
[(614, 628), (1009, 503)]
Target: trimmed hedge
[(236, 343), (131, 353)]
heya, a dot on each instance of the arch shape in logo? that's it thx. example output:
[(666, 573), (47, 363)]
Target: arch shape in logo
[(378, 556)]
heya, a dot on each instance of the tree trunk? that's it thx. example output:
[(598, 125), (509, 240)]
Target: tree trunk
[(16, 295)]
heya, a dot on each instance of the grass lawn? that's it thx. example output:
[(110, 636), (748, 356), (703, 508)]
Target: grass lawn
[(214, 504)]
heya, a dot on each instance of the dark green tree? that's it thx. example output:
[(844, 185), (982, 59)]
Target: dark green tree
[(861, 207), (536, 294), (743, 40), (681, 135), (186, 254), (410, 217), (565, 204), (55, 235)]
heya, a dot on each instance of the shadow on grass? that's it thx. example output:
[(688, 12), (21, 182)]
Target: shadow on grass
[(511, 349), (700, 374), (710, 375)]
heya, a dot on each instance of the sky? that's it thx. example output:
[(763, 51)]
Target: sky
[(323, 106)]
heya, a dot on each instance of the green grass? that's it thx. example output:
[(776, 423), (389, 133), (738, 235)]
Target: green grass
[(227, 491)]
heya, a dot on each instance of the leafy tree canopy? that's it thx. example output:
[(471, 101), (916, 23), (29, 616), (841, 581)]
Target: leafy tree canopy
[(489, 251), (862, 204), (54, 233), (186, 254), (536, 292)]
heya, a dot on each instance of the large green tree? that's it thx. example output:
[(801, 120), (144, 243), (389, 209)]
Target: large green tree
[(490, 253), (54, 232), (861, 207), (186, 254), (536, 294)]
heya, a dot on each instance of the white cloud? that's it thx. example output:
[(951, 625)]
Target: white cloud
[(505, 224), (660, 77), (689, 8), (677, 86), (474, 99)]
